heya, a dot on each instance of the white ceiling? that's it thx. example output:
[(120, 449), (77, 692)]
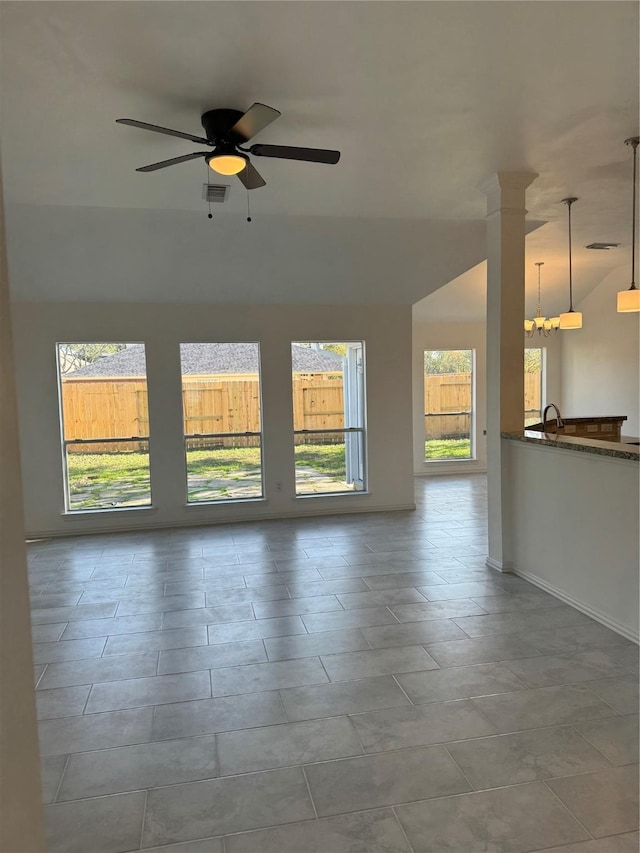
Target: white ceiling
[(464, 298), (424, 99)]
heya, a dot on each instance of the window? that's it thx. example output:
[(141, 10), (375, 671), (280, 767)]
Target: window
[(448, 404), (222, 421), (105, 425), (534, 364), (329, 417)]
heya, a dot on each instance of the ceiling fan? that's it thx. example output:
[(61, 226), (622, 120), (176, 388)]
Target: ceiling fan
[(226, 131)]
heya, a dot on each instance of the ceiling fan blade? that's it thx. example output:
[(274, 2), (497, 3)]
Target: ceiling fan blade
[(251, 178), (156, 129), (289, 152), (174, 161), (256, 118)]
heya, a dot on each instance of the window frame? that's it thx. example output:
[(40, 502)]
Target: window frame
[(219, 435), (360, 430), (472, 413), (65, 443), (543, 384)]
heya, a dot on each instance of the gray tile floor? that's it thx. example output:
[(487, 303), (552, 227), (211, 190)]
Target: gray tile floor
[(358, 684)]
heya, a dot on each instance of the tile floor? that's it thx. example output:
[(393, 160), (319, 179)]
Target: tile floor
[(357, 684)]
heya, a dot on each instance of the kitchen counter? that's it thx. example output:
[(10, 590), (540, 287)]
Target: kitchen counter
[(573, 508), (617, 450)]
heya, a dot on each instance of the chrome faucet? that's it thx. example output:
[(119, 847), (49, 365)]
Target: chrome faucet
[(559, 421)]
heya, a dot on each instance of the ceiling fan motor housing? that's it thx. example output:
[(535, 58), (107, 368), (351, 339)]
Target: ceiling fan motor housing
[(218, 123)]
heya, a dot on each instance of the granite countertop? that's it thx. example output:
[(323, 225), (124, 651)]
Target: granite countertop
[(598, 418), (617, 450)]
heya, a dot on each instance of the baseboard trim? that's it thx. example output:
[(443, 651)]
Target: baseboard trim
[(207, 522), (593, 612), (498, 565)]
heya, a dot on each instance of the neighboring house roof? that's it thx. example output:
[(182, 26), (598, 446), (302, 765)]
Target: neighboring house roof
[(68, 362), (207, 360)]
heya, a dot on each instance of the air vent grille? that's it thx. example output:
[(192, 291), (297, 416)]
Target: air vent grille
[(605, 246), (215, 192)]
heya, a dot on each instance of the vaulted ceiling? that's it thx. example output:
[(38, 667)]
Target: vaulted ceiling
[(425, 100)]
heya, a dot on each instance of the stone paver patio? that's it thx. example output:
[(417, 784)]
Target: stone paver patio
[(241, 484)]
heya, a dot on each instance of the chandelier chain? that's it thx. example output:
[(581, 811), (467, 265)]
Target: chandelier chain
[(540, 324)]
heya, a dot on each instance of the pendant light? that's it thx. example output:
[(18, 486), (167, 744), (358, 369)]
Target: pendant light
[(570, 319), (629, 300), (539, 323)]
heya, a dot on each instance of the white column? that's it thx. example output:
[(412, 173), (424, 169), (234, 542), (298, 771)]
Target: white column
[(21, 829), (505, 351)]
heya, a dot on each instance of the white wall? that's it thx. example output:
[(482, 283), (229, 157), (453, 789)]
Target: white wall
[(575, 529), (600, 361), (467, 336), (21, 828), (386, 331), (102, 254)]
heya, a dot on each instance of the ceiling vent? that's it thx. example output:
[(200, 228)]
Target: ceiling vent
[(602, 246), (215, 192)]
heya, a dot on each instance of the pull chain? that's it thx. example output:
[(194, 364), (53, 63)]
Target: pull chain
[(248, 208), (206, 183)]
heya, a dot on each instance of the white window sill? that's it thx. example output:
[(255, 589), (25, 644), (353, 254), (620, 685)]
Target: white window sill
[(331, 495), (69, 515), (226, 502), (448, 461)]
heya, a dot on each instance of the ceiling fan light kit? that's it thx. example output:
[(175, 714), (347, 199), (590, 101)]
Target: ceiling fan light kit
[(226, 131), (629, 300), (227, 162)]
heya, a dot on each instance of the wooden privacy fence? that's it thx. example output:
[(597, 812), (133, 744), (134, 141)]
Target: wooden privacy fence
[(532, 392), (443, 393), (318, 405), (95, 408), (447, 399), (118, 408)]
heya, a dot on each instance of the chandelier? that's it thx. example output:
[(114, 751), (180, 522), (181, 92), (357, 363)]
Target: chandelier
[(540, 323)]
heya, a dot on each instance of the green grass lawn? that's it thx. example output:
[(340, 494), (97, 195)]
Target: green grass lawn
[(223, 462), (89, 469), (448, 448), (100, 480), (328, 459)]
